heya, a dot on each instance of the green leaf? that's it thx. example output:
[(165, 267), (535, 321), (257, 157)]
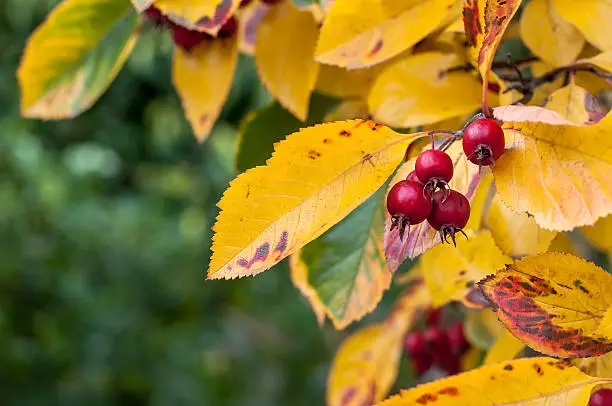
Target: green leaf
[(74, 55), (271, 124), (346, 265)]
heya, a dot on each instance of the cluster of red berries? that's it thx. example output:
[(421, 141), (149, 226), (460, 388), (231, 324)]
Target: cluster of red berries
[(435, 346), (425, 195), (602, 397)]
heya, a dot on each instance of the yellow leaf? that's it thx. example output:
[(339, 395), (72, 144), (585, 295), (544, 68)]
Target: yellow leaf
[(563, 243), (249, 19), (485, 23), (365, 367), (141, 5), (591, 17), (299, 277), (596, 366), (529, 381), (349, 276), (558, 171), (203, 78), (421, 237), (575, 104), (603, 61), (360, 33), (600, 234), (506, 347), (517, 234), (347, 110), (284, 56), (555, 303), (343, 83), (74, 55), (314, 179), (201, 15), (419, 89), (548, 35), (450, 272)]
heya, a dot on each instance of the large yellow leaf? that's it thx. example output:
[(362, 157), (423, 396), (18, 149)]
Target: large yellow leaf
[(347, 275), (558, 171), (201, 15), (313, 180), (485, 22), (72, 57), (575, 104), (600, 233), (359, 33), (422, 237), (554, 303), (203, 78), (517, 234), (591, 17), (365, 367), (419, 90), (529, 381), (284, 55), (548, 35), (451, 272)]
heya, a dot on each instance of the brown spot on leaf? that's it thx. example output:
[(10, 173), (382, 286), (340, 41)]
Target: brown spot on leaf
[(426, 398), (348, 395), (508, 367), (538, 369), (345, 133), (312, 154), (377, 47), (326, 141), (449, 390)]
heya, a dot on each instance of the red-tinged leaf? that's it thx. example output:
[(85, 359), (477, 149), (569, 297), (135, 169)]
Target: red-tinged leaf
[(555, 303), (485, 22)]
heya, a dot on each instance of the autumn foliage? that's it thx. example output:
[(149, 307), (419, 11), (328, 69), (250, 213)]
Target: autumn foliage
[(378, 85)]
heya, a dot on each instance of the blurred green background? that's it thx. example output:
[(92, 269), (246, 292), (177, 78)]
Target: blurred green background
[(105, 236)]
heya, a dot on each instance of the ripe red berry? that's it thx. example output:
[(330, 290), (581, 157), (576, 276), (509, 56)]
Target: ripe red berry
[(483, 141), (407, 204), (155, 16), (434, 168), (228, 29), (602, 397), (449, 214), (186, 38), (457, 339), (412, 177), (422, 363), (433, 317), (451, 364), (437, 340), (415, 343)]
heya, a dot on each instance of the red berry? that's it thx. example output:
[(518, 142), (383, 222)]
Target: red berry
[(155, 16), (244, 3), (412, 177), (415, 344), (186, 38), (457, 339), (433, 317), (602, 397), (407, 204), (434, 168), (422, 363), (436, 339), (449, 214), (483, 141), (271, 1), (228, 29), (451, 364)]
